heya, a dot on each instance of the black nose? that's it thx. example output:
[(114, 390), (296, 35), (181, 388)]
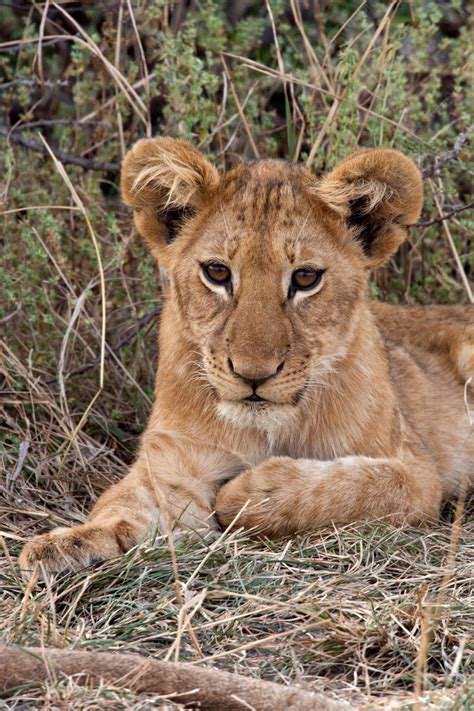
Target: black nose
[(251, 380)]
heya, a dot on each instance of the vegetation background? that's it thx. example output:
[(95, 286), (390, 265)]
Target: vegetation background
[(369, 613)]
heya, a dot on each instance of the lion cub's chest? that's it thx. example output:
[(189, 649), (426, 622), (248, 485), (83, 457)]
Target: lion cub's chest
[(298, 442)]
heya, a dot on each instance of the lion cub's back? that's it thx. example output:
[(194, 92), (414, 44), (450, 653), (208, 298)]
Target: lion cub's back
[(445, 332), (431, 356)]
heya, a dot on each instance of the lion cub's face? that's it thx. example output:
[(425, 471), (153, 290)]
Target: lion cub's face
[(267, 289), (268, 263)]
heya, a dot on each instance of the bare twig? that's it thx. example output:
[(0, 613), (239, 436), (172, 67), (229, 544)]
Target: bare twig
[(62, 156), (450, 155), (18, 45), (51, 123), (35, 84), (446, 216)]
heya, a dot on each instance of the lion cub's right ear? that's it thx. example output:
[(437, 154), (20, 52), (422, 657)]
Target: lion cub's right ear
[(165, 181)]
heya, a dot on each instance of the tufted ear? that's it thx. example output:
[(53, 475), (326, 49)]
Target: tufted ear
[(380, 194), (165, 181)]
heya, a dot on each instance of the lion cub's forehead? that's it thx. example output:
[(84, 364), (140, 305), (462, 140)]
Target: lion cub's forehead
[(264, 189), (264, 204)]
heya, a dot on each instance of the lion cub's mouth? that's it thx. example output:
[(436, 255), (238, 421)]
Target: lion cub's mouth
[(255, 398)]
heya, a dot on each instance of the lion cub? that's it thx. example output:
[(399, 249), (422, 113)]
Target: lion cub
[(285, 398)]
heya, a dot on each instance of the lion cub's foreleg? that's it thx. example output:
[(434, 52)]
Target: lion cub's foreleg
[(118, 520), (171, 483), (290, 495)]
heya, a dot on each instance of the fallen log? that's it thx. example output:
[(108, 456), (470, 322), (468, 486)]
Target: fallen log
[(211, 689)]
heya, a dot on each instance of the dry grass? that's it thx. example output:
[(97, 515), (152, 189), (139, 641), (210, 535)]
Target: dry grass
[(344, 610), (368, 613)]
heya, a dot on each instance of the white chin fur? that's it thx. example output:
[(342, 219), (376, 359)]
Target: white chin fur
[(268, 418)]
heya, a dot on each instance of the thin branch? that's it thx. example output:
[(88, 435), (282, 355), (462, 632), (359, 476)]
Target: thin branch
[(446, 216), (62, 156), (18, 46), (34, 83), (447, 157), (51, 123)]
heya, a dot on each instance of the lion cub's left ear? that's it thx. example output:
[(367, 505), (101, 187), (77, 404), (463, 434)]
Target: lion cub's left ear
[(165, 181), (380, 194)]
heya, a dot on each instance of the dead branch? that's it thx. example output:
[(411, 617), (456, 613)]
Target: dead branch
[(446, 216), (211, 689), (450, 155), (52, 123), (35, 84), (11, 47), (62, 156)]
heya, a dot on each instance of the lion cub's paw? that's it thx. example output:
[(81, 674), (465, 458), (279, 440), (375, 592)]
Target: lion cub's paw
[(68, 549), (258, 498)]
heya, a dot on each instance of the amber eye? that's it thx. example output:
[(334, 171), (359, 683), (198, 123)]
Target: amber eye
[(305, 279), (217, 274)]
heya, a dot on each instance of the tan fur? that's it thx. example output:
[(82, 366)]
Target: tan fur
[(365, 414)]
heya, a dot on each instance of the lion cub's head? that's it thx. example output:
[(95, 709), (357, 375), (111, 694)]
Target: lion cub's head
[(267, 263)]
